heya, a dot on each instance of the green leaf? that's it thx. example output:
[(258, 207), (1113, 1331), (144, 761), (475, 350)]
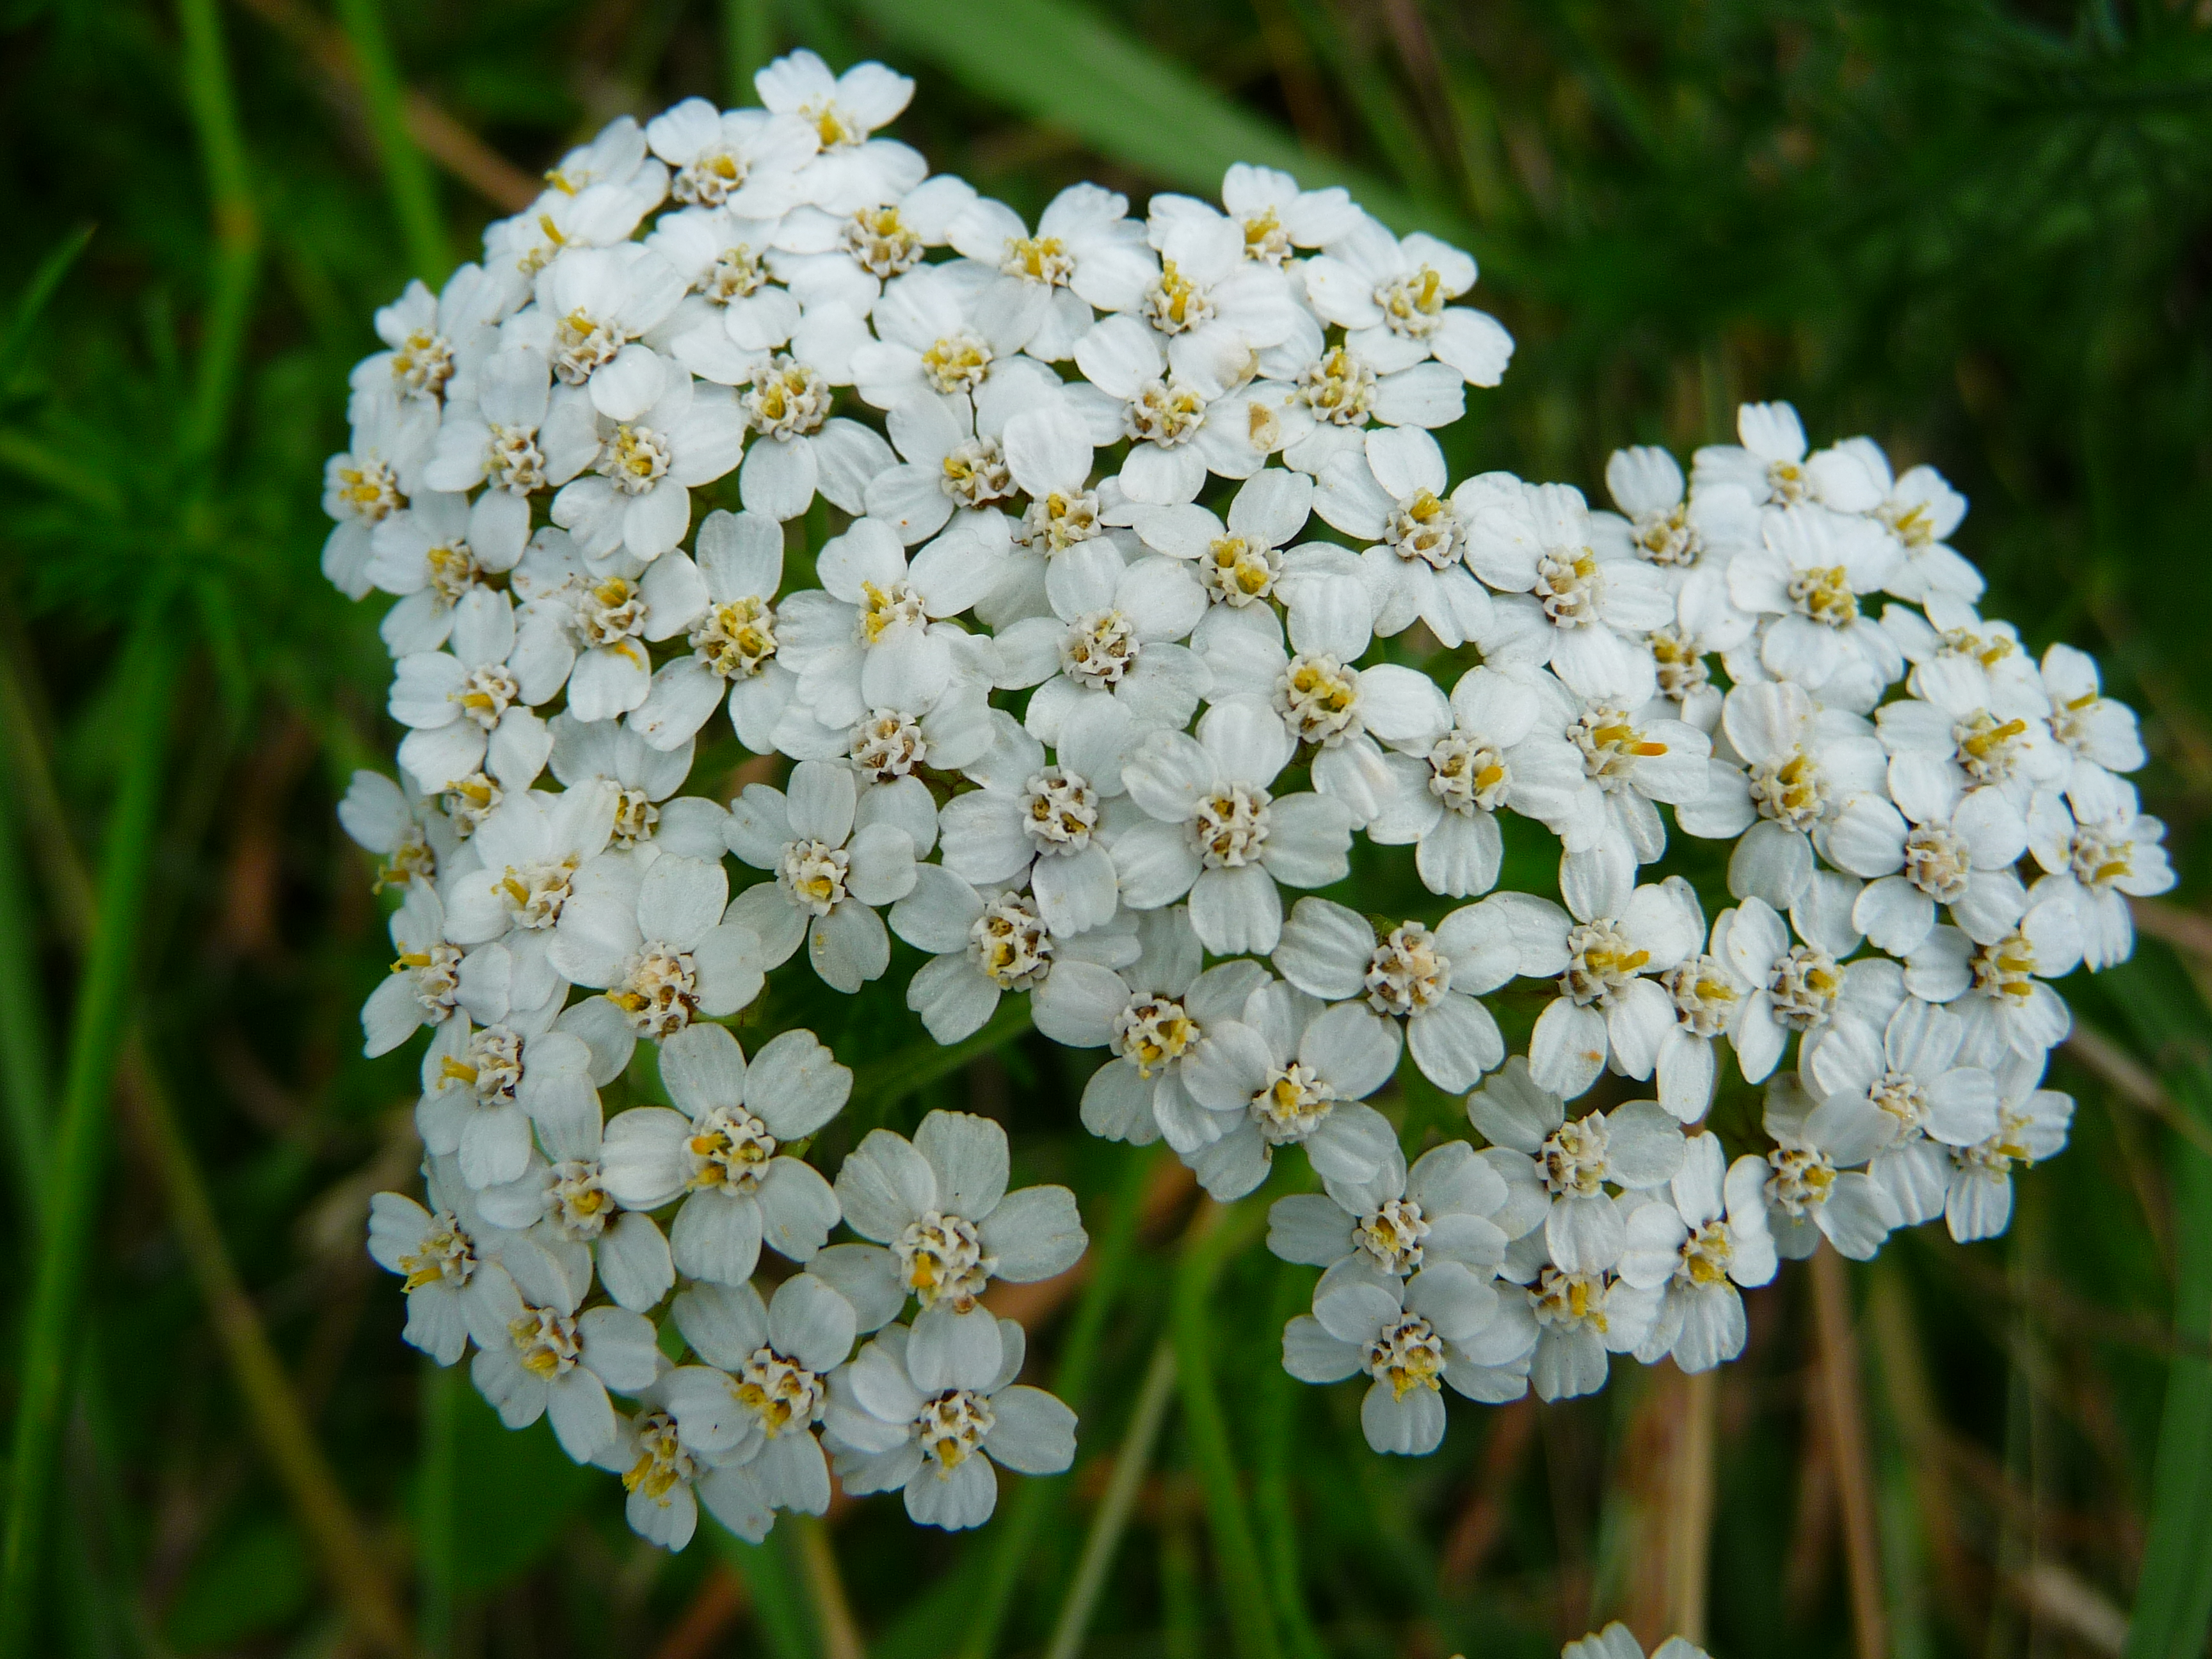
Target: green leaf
[(255, 1579), (2174, 1601), (511, 1495), (1062, 65)]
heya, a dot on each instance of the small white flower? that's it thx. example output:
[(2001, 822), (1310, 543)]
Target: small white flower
[(1429, 979), (863, 641), (933, 340), (1812, 776), (1086, 252), (1325, 395), (470, 705), (1289, 1071), (956, 461), (719, 1152), (515, 438), (562, 1204), (1906, 1065), (1635, 1147), (732, 635), (1108, 662), (637, 494), (537, 1356), (1999, 989), (2031, 1125), (426, 552), (1393, 299), (851, 170), (1405, 1334), (827, 873), (747, 161), (645, 779), (653, 934), (484, 1088), (1964, 861), (1589, 601), (1814, 1186), (593, 305), (1238, 563), (594, 198), (1391, 491), (1579, 1316), (415, 839), (529, 851), (1611, 1009), (1033, 822), (371, 479), (1219, 835), (1921, 511), (1771, 467), (2097, 864), (1446, 1208), (1806, 576), (1617, 1641), (440, 1255), (1962, 732), (986, 944), (1446, 788), (2098, 734), (1179, 429), (1211, 309), (753, 1409), (940, 1203), (931, 1410), (1153, 1015), (435, 343), (797, 450), (1707, 1236), (424, 985), (1794, 987), (1325, 703), (1689, 537)]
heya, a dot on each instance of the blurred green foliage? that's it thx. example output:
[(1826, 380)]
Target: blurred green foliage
[(1977, 231)]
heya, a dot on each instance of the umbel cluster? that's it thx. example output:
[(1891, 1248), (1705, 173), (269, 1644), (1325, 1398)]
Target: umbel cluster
[(1144, 538)]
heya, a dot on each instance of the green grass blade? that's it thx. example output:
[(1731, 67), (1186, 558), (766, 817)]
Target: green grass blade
[(1197, 1333), (886, 1082), (1112, 1518), (1079, 1359), (81, 1142), (25, 1066), (1274, 1446), (1066, 66), (36, 292), (749, 37), (213, 107), (406, 174), (2173, 1600), (437, 1495), (779, 1599)]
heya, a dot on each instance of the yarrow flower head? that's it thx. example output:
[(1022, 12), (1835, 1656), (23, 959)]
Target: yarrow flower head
[(1141, 590)]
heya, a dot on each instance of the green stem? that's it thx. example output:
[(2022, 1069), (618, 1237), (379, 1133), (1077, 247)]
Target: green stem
[(436, 1535), (1279, 1394), (1112, 1518), (406, 175), (1078, 1357), (25, 1066), (1237, 1556), (749, 34), (237, 228), (80, 1148), (2173, 1600), (779, 1601)]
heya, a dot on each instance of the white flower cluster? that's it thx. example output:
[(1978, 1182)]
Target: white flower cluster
[(1118, 521)]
